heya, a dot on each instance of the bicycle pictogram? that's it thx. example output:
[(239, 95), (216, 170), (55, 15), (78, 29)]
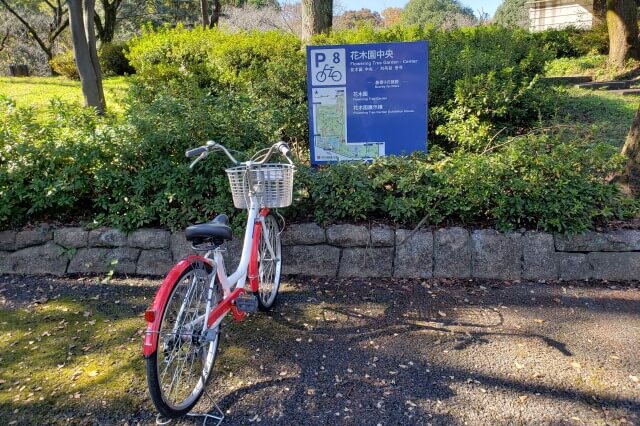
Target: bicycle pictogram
[(328, 72)]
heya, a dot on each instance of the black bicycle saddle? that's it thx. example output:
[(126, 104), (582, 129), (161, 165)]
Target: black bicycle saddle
[(217, 231)]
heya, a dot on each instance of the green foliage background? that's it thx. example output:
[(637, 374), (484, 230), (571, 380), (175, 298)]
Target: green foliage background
[(248, 89)]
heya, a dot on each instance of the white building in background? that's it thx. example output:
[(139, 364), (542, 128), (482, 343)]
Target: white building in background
[(558, 14)]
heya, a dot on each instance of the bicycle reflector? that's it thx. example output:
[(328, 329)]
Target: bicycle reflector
[(150, 315)]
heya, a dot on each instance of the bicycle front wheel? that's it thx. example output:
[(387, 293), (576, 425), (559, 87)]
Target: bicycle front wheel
[(269, 263), (178, 371)]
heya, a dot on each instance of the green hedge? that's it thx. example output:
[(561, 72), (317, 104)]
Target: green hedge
[(79, 166), (248, 89), (535, 182), (269, 69)]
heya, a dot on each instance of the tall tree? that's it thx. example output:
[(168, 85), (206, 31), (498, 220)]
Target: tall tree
[(317, 17), (629, 179), (622, 25), (81, 21), (356, 18), (439, 13), (391, 16), (512, 13), (204, 13), (106, 27), (59, 20)]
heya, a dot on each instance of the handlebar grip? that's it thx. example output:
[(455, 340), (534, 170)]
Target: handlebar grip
[(195, 151), (284, 150)]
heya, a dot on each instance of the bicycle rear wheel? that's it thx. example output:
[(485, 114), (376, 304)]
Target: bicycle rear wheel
[(269, 266), (178, 371)]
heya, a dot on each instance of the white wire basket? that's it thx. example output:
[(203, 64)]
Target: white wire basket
[(271, 183)]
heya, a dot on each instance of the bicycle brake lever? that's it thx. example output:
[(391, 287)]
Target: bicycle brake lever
[(197, 160)]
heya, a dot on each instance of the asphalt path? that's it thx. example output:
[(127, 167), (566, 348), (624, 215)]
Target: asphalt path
[(420, 352)]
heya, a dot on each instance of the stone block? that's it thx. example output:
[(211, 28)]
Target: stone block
[(8, 240), (121, 260), (71, 237), (621, 240), (573, 266), (6, 267), (303, 233), (319, 260), (382, 236), (107, 237), (348, 235), (154, 262), (33, 237), (615, 266), (150, 239), (414, 256), (180, 247), (48, 258), (539, 257), (366, 262), (452, 253), (496, 255)]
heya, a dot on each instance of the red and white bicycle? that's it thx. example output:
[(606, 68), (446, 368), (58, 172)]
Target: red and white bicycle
[(183, 324)]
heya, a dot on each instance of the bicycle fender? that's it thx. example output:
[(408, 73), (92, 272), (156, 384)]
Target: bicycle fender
[(153, 315)]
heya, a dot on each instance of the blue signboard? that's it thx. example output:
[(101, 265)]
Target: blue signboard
[(367, 100)]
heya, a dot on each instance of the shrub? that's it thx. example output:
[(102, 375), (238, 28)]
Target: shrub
[(113, 60), (269, 69), (535, 182), (80, 166), (47, 169), (574, 42), (64, 64)]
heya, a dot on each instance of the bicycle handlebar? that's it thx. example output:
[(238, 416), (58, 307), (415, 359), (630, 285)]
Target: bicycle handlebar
[(203, 152)]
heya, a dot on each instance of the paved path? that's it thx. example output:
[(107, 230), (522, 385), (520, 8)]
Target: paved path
[(441, 352), (433, 352)]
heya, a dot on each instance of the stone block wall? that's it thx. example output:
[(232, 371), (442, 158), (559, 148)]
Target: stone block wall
[(339, 250)]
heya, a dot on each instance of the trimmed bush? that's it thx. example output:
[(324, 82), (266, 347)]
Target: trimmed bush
[(536, 182), (269, 68), (64, 64), (113, 60)]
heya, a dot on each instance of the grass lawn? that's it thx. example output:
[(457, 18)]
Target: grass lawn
[(38, 91), (70, 358), (608, 115), (594, 66)]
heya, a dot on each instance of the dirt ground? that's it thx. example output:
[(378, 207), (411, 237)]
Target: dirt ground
[(409, 352)]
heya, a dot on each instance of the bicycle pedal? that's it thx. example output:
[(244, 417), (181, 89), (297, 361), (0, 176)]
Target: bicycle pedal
[(247, 303)]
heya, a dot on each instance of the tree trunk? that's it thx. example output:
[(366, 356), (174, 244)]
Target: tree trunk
[(215, 14), (81, 14), (630, 177), (316, 18), (623, 31), (204, 11)]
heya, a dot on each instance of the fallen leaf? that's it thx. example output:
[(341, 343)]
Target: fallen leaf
[(576, 365), (93, 373)]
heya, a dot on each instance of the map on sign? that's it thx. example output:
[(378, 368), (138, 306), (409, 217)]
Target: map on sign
[(330, 129), (367, 100)]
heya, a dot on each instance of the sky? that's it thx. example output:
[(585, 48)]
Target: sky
[(487, 6)]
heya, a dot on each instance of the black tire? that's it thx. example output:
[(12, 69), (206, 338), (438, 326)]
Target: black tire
[(179, 369), (269, 268)]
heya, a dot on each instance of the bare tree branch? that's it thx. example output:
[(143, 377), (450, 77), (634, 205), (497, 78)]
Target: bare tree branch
[(32, 31)]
